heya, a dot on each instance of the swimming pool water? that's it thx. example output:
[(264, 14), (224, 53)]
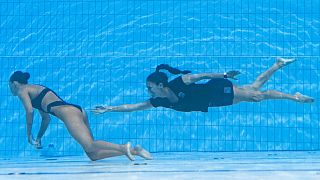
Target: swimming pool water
[(100, 52)]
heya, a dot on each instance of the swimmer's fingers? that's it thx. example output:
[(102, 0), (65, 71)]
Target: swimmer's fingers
[(97, 111), (37, 144), (236, 74), (99, 107), (233, 74), (30, 140)]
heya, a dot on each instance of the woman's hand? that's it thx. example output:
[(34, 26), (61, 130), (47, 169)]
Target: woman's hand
[(101, 109), (233, 74), (30, 140), (37, 143)]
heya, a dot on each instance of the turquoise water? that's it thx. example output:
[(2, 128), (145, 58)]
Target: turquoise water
[(100, 52)]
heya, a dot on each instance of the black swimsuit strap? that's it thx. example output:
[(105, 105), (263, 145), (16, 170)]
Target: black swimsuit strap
[(55, 103), (60, 103), (36, 102), (43, 93)]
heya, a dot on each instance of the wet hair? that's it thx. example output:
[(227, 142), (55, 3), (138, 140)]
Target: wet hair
[(161, 77), (21, 77)]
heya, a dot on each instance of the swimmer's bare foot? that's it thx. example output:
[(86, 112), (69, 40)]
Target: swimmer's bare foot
[(303, 98), (128, 151), (281, 62), (139, 151)]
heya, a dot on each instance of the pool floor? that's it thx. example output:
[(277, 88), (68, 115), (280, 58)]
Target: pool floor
[(226, 165)]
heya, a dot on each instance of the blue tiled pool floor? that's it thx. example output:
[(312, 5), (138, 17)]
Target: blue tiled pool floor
[(240, 165)]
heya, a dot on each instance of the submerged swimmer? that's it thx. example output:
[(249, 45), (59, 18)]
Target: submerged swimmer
[(73, 116), (183, 94)]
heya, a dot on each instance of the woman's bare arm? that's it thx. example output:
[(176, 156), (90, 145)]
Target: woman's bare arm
[(123, 108), (44, 125), (26, 101), (192, 78)]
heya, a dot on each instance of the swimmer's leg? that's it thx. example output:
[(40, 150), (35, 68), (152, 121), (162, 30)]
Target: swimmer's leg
[(264, 77), (86, 122), (95, 150), (242, 94)]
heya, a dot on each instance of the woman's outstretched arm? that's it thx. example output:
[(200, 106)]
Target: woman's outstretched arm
[(123, 108), (192, 78)]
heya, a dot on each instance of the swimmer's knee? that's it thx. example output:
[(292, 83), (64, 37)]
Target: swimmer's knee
[(92, 155), (90, 151)]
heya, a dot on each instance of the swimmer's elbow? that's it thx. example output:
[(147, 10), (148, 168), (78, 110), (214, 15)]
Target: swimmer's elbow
[(133, 107), (126, 108)]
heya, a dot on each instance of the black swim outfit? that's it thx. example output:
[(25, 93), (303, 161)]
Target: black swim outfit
[(197, 97), (36, 102)]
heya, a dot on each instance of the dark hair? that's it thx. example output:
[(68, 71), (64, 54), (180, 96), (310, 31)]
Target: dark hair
[(160, 77), (20, 77)]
